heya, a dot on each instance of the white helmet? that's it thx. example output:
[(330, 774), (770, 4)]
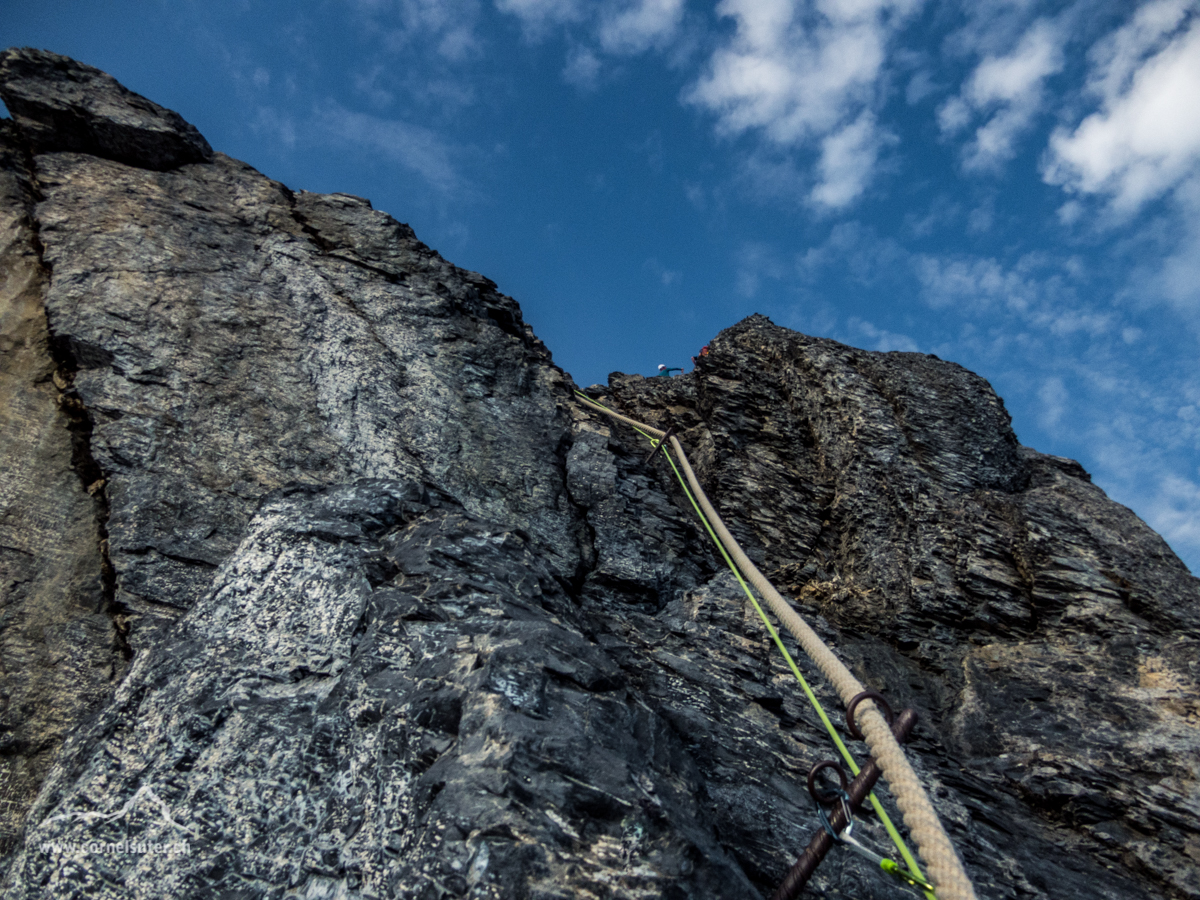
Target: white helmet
[(660, 368)]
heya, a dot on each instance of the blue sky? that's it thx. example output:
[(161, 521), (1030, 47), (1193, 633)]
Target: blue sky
[(1012, 185)]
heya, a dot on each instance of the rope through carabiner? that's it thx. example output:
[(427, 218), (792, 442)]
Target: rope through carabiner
[(661, 439)]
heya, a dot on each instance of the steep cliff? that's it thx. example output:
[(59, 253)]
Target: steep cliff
[(317, 581)]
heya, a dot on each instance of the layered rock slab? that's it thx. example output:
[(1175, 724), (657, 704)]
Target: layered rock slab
[(61, 104)]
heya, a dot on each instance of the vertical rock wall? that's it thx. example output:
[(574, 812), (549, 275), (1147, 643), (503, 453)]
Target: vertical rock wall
[(59, 649), (317, 583)]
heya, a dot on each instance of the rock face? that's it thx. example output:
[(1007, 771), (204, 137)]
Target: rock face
[(318, 583), (63, 105)]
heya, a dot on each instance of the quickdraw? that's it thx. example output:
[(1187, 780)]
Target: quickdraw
[(846, 837), (851, 796)]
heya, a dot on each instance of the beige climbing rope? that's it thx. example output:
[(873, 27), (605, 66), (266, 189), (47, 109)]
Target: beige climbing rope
[(945, 869)]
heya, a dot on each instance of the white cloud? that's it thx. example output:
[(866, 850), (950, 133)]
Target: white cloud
[(940, 213), (582, 68), (539, 16), (1179, 275), (620, 27), (1037, 292), (1053, 398), (696, 196), (919, 87), (1140, 441), (864, 333), (768, 175), (1009, 89), (661, 273), (413, 146), (981, 218), (445, 26), (1116, 58), (804, 72), (954, 115), (277, 125), (789, 80), (971, 282), (1011, 78), (371, 85), (756, 262), (847, 160), (1174, 512), (1145, 138), (1070, 212), (857, 250), (639, 26), (990, 28)]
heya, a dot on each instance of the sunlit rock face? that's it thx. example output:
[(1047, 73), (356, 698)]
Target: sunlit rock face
[(317, 582)]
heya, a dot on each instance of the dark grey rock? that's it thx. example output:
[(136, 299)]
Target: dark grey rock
[(60, 651), (300, 731), (403, 620), (60, 104), (1046, 635)]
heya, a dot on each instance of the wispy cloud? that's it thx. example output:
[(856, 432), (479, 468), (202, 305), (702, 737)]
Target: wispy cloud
[(1145, 138), (539, 17), (616, 27), (582, 68), (866, 257), (804, 73), (974, 283), (638, 26), (1007, 90), (276, 125), (414, 147), (666, 277), (757, 262), (1174, 512), (447, 27), (1054, 397), (866, 334), (370, 84), (416, 59), (1179, 274), (1038, 291)]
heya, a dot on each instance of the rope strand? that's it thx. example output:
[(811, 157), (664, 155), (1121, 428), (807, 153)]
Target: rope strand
[(933, 844)]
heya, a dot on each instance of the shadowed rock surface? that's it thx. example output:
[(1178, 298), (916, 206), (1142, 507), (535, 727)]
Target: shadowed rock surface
[(318, 583)]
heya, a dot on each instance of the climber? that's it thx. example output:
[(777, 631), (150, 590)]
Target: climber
[(703, 352), (665, 372)]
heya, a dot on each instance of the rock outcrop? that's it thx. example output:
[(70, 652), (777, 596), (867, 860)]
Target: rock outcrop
[(317, 582), (61, 105)]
